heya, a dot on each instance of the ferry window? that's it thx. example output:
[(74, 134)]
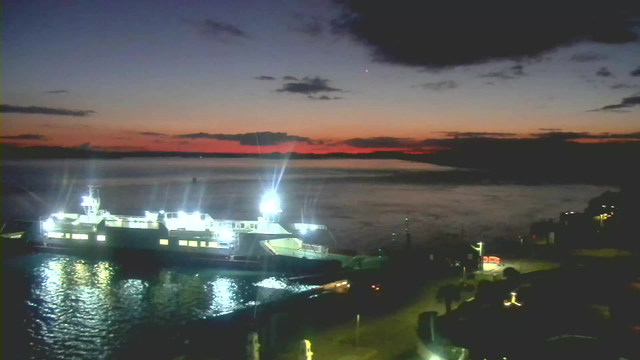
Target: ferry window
[(193, 243), (182, 242), (242, 225), (213, 244), (80, 236), (202, 217), (165, 242), (101, 237), (203, 244)]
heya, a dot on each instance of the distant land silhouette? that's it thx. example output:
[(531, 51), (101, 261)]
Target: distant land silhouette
[(520, 160)]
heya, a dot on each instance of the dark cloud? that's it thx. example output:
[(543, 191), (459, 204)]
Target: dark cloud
[(485, 140), (290, 78), (587, 57), (561, 135), (264, 77), (468, 134), (151, 133), (24, 137), (439, 86), (604, 72), (266, 138), (442, 34), (497, 75), (308, 86), (217, 30), (323, 97), (511, 73), (118, 148), (624, 86), (57, 92), (630, 136), (635, 72), (570, 135), (312, 26), (15, 109), (518, 70), (627, 102), (381, 142), (549, 129)]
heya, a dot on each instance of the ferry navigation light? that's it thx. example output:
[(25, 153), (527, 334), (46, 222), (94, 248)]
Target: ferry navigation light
[(270, 203)]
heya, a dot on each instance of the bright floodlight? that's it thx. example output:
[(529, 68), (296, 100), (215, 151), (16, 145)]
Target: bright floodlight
[(226, 235), (270, 203), (48, 225), (303, 231), (87, 201)]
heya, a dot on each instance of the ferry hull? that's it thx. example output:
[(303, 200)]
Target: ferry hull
[(153, 258)]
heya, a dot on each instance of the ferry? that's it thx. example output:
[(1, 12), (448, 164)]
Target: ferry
[(176, 235)]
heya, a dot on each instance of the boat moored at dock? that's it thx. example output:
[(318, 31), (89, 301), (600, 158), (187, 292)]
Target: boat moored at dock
[(195, 235)]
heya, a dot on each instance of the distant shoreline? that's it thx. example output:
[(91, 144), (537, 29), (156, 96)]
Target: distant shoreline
[(562, 163)]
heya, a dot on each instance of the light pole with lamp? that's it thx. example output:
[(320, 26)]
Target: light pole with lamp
[(479, 250)]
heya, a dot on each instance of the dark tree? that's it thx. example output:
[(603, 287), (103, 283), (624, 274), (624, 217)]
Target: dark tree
[(448, 294)]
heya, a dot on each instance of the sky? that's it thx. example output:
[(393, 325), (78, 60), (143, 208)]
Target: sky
[(313, 76)]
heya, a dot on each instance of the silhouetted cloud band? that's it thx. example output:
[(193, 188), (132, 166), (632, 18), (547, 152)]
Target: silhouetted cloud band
[(15, 109), (266, 138)]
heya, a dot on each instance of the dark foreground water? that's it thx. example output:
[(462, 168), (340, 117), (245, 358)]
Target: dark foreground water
[(57, 306), (67, 307)]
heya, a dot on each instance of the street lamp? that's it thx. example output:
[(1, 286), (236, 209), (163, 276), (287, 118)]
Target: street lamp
[(479, 250)]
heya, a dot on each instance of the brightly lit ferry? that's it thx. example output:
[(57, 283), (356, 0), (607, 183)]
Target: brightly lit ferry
[(193, 234)]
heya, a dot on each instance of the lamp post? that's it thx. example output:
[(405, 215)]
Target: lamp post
[(479, 250)]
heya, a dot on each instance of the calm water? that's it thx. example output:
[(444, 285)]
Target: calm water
[(67, 307)]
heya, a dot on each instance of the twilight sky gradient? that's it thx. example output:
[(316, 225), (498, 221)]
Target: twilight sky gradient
[(180, 67)]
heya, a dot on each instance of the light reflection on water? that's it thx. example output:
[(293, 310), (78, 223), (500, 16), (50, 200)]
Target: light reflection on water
[(82, 309)]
